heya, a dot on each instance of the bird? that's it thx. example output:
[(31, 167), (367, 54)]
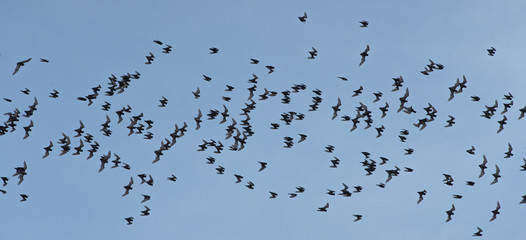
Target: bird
[(44, 60), (4, 179), (273, 194), (163, 102), (509, 153), (523, 201), (270, 69), (496, 175), (198, 119), (146, 211), (324, 208), (470, 183), (145, 198), (364, 23), (158, 42), (421, 195), (357, 92), (450, 212), (336, 109), (250, 185), (28, 129), (483, 166), (471, 150), (129, 220), (478, 233), (172, 178), (196, 93), (456, 196), (54, 94), (26, 91), (239, 178), (24, 197), (358, 217), (491, 51), (128, 187), (263, 165), (213, 50), (254, 61), (495, 212), (364, 54), (21, 172), (20, 64), (451, 121), (206, 78), (303, 18)]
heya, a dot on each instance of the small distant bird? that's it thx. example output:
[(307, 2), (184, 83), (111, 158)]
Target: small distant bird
[(491, 51), (129, 220), (421, 195), (25, 91), (172, 178), (408, 151), (20, 64), (303, 18), (483, 166), (496, 175), (239, 178), (336, 109), (475, 98), (273, 195), (163, 102), (196, 93), (450, 213), (357, 91), (250, 185), (364, 54), (4, 179), (7, 100), (522, 202), (207, 78), (44, 60), (324, 208), (495, 212), (213, 50), (24, 197), (509, 153), (270, 69), (364, 23), (28, 129), (54, 94), (471, 150), (145, 198), (254, 61), (158, 42), (149, 58), (470, 183), (456, 196), (263, 166), (358, 217), (478, 233), (128, 187), (451, 121), (145, 212)]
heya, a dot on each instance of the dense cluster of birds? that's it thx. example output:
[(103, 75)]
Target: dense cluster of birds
[(240, 132)]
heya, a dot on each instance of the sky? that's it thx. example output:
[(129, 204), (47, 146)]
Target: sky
[(88, 41)]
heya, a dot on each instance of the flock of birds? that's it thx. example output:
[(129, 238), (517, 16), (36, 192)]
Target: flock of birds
[(242, 131)]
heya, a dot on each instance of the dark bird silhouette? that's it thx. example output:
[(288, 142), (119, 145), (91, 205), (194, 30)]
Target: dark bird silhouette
[(336, 109), (509, 153), (450, 212), (145, 198), (21, 172), (408, 151), (470, 183), (163, 102), (24, 197), (273, 194), (471, 150), (456, 196), (483, 166), (364, 54), (496, 175), (28, 129), (128, 187), (54, 94), (44, 60), (213, 50), (48, 149), (358, 217), (20, 64), (451, 121), (263, 165), (421, 195), (5, 180), (146, 211), (475, 98), (7, 100), (207, 78), (303, 137), (158, 42), (478, 233), (329, 149), (197, 93), (364, 24), (254, 61), (167, 49), (502, 123), (149, 58), (491, 51), (198, 119), (357, 91), (495, 212), (250, 185), (324, 208), (523, 166), (26, 91), (239, 178), (270, 69), (303, 18), (129, 220), (522, 202)]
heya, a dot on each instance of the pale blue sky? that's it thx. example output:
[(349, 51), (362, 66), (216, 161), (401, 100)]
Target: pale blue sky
[(87, 41)]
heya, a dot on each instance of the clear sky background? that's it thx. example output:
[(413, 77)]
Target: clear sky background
[(87, 41)]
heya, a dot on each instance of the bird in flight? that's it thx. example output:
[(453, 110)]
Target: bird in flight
[(364, 54), (303, 18), (478, 233), (364, 23), (20, 64), (324, 208), (450, 213), (495, 212)]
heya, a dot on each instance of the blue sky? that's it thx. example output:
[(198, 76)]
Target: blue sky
[(86, 42)]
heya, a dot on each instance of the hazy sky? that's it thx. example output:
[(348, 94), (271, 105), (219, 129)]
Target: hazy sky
[(87, 41)]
